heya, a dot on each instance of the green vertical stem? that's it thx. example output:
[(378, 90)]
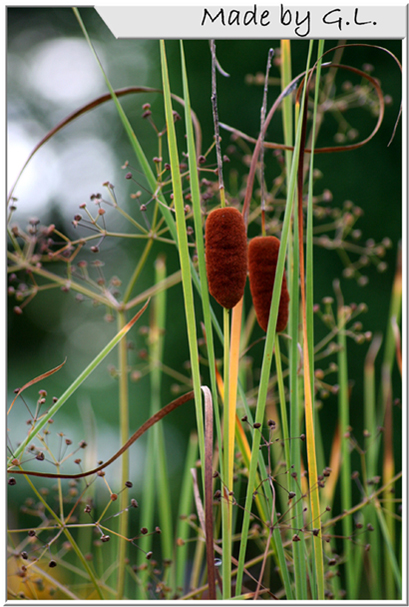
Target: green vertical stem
[(310, 258), (123, 437), (183, 527), (197, 561), (395, 311), (265, 373), (287, 103), (388, 471), (309, 319), (198, 226), (283, 406), (343, 415), (227, 485), (147, 512), (156, 349), (293, 275), (370, 420), (317, 586), (387, 412), (205, 300), (156, 483), (370, 425), (184, 257), (390, 551), (138, 270)]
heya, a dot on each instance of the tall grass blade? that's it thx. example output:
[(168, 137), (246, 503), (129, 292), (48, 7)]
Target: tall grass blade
[(123, 398), (370, 425), (317, 587), (208, 498), (391, 555), (266, 366), (343, 414), (184, 256), (312, 425), (387, 410), (156, 476), (198, 223), (299, 549)]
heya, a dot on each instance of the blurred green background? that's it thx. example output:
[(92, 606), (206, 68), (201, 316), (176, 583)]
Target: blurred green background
[(50, 73)]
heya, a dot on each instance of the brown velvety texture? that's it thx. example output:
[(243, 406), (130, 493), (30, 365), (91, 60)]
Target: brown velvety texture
[(263, 255), (226, 255)]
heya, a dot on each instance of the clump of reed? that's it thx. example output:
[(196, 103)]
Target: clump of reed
[(258, 515)]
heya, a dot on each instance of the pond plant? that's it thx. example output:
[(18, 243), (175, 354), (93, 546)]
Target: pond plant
[(265, 510)]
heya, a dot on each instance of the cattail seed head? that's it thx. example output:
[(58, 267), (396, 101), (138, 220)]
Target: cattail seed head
[(226, 255), (263, 255)]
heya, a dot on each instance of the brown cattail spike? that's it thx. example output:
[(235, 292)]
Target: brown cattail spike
[(263, 255), (226, 255)]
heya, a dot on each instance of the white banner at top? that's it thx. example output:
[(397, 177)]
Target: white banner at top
[(254, 21)]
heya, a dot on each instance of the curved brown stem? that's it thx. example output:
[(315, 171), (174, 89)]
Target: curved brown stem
[(90, 106), (148, 424)]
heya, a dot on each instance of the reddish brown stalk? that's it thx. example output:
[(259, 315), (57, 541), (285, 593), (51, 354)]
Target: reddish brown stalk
[(396, 332), (256, 153), (260, 141)]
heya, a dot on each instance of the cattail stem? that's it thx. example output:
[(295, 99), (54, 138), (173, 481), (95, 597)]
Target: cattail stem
[(262, 132), (226, 505), (124, 433), (216, 123)]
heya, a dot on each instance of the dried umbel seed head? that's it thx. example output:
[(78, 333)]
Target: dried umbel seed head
[(226, 256), (263, 255)]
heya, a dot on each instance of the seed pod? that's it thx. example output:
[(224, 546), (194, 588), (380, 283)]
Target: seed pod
[(226, 255), (263, 255)]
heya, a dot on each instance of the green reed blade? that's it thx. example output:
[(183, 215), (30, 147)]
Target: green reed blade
[(183, 248)]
